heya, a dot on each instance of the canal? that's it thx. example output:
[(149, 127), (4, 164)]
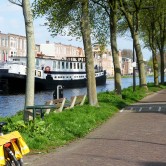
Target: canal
[(10, 104)]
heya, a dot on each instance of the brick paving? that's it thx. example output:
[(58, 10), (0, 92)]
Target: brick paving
[(133, 137)]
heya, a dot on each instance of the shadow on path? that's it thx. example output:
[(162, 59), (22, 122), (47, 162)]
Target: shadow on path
[(110, 139), (153, 164)]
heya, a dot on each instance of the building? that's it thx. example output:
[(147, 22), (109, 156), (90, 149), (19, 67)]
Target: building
[(127, 68), (59, 51), (105, 59), (12, 45)]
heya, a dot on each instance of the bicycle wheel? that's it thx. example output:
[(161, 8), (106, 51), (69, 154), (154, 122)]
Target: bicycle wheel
[(21, 162), (12, 161)]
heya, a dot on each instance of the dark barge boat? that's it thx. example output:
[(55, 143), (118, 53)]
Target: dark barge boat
[(69, 72)]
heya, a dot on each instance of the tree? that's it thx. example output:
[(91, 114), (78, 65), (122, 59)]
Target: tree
[(153, 31), (110, 9), (72, 18), (131, 10), (113, 38), (148, 33), (161, 40), (30, 79), (85, 30)]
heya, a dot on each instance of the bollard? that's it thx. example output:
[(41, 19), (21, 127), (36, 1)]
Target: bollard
[(58, 93)]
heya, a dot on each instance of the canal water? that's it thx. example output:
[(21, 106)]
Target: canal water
[(10, 104)]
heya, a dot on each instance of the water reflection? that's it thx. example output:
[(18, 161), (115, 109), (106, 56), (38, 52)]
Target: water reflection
[(10, 104)]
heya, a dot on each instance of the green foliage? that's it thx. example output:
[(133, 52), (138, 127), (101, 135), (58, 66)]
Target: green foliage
[(15, 125), (129, 96), (61, 128)]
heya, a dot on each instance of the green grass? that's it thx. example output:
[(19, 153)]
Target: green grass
[(61, 128)]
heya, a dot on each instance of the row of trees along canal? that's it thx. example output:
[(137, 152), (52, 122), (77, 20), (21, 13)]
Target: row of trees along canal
[(98, 21)]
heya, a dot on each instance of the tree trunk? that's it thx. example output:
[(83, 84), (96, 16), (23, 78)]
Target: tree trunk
[(142, 75), (85, 30), (162, 59), (152, 43), (113, 31), (161, 42), (155, 68), (30, 79), (134, 31)]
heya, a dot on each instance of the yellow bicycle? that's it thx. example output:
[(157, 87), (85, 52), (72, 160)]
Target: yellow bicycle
[(12, 148)]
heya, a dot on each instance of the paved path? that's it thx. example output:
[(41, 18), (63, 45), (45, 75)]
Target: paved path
[(133, 137)]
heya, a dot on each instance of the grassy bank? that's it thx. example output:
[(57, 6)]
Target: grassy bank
[(61, 128)]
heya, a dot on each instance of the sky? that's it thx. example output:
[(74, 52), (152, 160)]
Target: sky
[(12, 21)]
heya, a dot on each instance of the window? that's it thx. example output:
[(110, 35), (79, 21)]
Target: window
[(81, 66), (67, 65), (70, 65), (20, 43), (11, 53), (6, 42), (15, 53), (3, 42), (58, 65), (63, 65), (54, 64), (37, 62)]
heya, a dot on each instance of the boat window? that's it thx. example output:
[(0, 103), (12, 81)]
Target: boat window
[(81, 65), (63, 65), (74, 65), (78, 66), (67, 65), (37, 62), (58, 65), (54, 64), (70, 65)]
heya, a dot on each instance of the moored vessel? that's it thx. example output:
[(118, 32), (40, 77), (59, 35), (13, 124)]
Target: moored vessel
[(49, 72)]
